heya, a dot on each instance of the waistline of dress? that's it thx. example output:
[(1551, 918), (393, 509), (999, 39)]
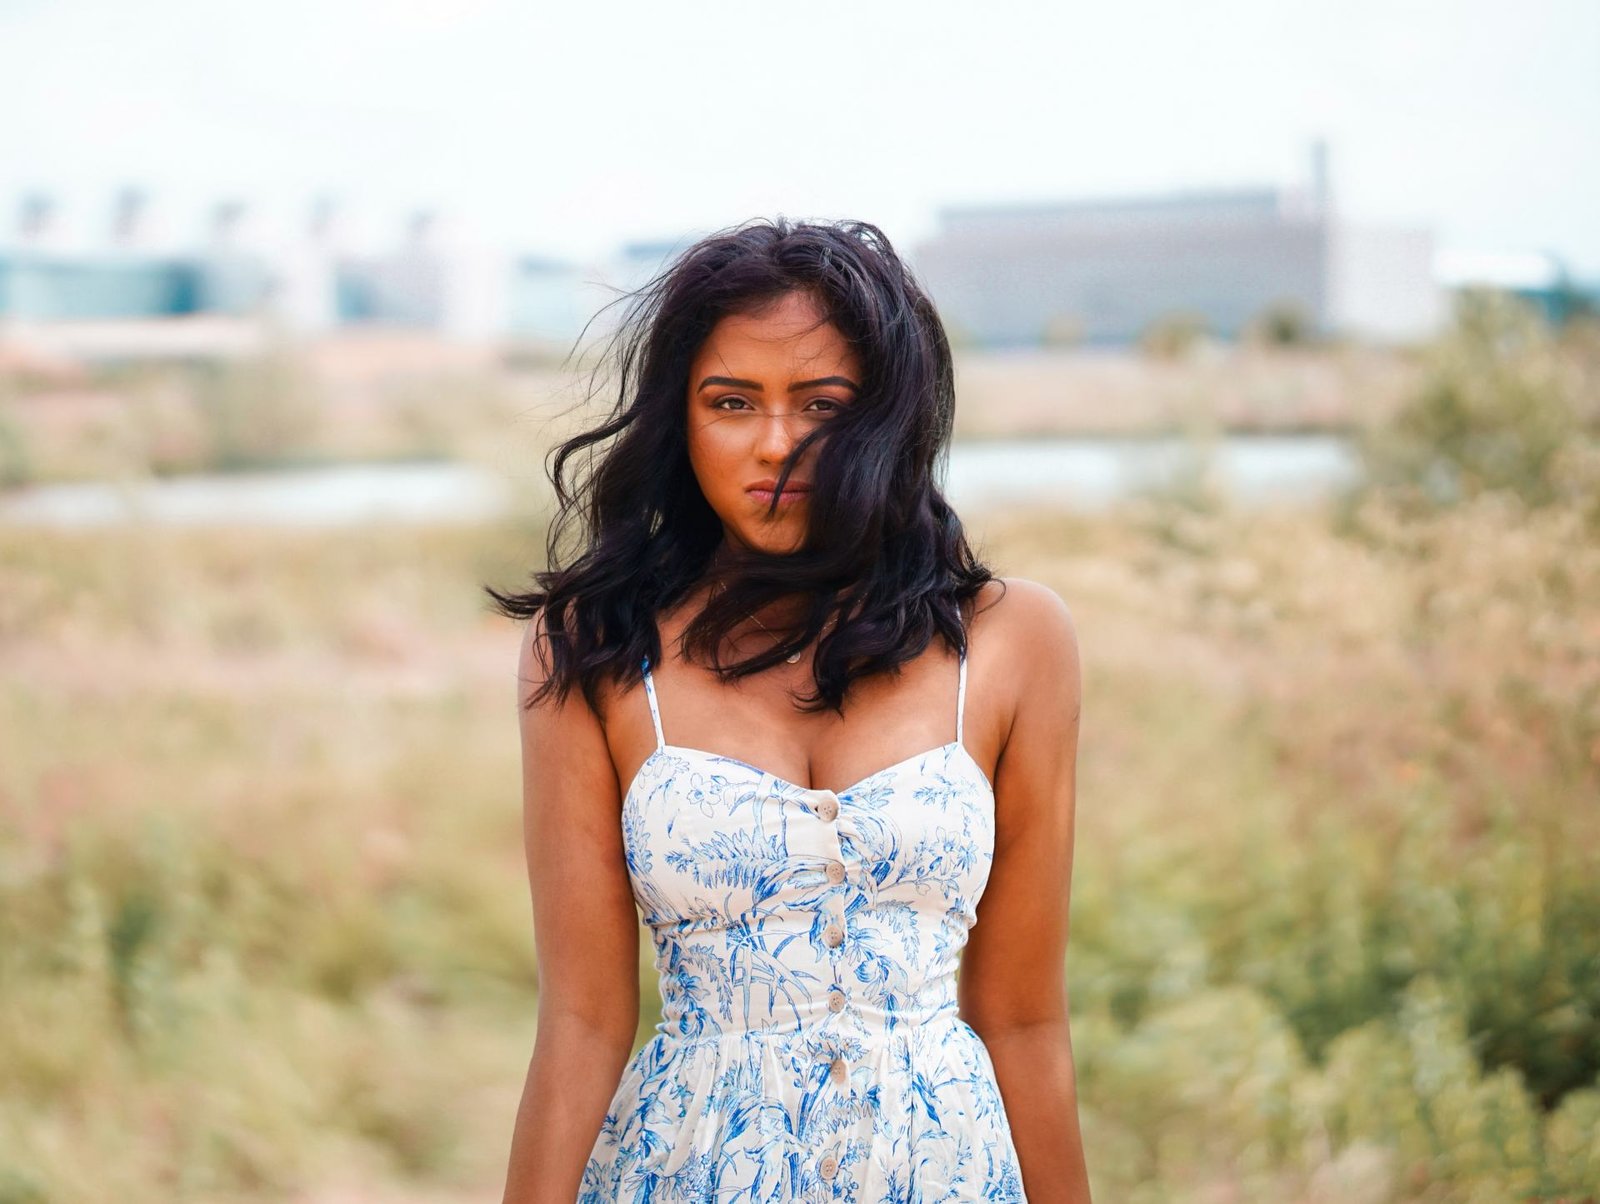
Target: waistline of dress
[(905, 1028)]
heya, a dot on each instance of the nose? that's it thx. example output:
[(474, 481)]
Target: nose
[(776, 437)]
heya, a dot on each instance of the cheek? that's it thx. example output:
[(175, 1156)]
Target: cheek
[(717, 460)]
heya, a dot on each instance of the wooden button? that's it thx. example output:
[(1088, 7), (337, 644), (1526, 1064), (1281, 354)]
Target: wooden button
[(840, 1072), (835, 872), (829, 1166), (836, 1000), (828, 809), (833, 936)]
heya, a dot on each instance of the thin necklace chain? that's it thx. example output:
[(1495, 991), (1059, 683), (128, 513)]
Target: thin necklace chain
[(794, 657)]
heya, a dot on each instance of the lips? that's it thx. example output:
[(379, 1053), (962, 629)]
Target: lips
[(762, 491)]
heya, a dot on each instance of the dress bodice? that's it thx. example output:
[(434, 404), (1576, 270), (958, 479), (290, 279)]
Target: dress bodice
[(807, 942)]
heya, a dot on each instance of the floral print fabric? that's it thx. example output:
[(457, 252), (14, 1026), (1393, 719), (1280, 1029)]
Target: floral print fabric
[(807, 942)]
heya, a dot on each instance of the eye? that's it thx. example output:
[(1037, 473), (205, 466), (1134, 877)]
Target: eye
[(723, 403)]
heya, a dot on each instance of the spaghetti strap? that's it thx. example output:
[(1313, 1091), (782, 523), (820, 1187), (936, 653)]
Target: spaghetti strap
[(655, 711), (961, 695)]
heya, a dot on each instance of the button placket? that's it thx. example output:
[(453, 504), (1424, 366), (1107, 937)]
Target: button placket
[(826, 808), (839, 1072)]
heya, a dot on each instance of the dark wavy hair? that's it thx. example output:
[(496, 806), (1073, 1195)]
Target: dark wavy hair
[(883, 555)]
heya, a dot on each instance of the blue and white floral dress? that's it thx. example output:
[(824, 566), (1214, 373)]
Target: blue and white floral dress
[(807, 942)]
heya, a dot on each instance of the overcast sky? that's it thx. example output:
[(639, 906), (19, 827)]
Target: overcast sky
[(567, 128)]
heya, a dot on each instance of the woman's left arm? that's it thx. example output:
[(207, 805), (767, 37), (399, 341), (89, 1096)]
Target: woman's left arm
[(1012, 985)]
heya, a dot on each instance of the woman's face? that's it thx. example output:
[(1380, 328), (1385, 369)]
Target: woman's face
[(757, 386)]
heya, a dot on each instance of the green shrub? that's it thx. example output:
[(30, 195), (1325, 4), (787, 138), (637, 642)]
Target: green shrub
[(1285, 323), (1502, 407)]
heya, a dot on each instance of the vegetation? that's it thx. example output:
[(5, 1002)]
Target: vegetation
[(1506, 406), (364, 398), (1285, 323), (1174, 336), (263, 919)]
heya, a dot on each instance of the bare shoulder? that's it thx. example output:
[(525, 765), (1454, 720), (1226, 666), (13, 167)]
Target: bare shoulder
[(1026, 642), (533, 658), (561, 713), (1027, 625)]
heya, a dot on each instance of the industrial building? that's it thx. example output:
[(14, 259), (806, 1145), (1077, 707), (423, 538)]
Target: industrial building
[(1092, 272), (1103, 272)]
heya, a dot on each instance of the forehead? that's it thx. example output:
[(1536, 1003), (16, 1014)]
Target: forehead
[(787, 335)]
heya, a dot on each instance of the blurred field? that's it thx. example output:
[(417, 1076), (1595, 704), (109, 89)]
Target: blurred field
[(392, 395), (264, 929)]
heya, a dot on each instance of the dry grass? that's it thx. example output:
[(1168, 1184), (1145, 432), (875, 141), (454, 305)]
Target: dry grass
[(263, 927), (263, 920), (1240, 388), (378, 396)]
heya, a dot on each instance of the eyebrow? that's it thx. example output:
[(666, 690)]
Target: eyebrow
[(737, 383)]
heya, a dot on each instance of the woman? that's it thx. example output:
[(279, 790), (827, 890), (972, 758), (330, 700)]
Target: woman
[(782, 755)]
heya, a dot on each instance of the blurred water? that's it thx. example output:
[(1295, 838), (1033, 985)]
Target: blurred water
[(1090, 473), (1086, 473), (337, 495)]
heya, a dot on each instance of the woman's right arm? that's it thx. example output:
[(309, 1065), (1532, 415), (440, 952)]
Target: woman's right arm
[(586, 938)]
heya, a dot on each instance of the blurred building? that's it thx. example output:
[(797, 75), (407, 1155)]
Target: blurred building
[(44, 277), (640, 261), (399, 287), (1099, 272), (436, 276), (1105, 271), (558, 301), (306, 288), (545, 298), (232, 276)]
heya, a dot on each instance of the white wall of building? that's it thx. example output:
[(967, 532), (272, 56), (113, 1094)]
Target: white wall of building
[(1381, 283)]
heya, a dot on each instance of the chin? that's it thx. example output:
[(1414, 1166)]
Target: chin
[(774, 543)]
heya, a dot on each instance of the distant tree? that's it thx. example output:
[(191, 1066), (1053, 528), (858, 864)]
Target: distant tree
[(1282, 323), (1173, 336)]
